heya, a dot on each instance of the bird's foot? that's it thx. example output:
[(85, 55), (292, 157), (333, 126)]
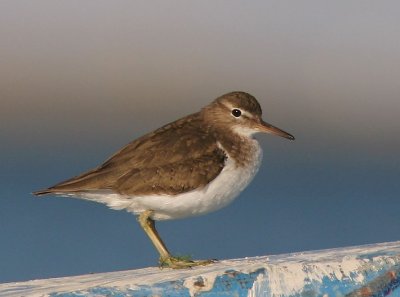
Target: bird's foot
[(182, 262)]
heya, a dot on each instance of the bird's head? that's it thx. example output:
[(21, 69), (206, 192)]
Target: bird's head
[(241, 113)]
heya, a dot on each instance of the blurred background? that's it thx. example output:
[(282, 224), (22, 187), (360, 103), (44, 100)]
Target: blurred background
[(80, 79)]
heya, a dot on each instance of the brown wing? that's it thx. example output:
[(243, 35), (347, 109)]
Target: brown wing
[(149, 155), (172, 178)]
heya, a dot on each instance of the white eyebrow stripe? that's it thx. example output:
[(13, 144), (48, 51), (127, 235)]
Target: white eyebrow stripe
[(244, 112)]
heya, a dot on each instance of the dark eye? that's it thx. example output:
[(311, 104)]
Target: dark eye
[(236, 112)]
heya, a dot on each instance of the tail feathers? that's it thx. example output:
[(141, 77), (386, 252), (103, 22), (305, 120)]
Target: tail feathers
[(42, 192), (53, 190), (92, 180), (62, 191)]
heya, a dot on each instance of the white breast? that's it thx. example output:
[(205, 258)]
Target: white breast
[(219, 193)]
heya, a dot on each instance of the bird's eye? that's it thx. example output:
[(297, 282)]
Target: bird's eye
[(236, 112)]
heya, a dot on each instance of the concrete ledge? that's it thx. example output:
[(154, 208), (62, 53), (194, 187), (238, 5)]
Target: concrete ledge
[(370, 270)]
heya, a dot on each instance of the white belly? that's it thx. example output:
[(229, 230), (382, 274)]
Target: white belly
[(218, 194)]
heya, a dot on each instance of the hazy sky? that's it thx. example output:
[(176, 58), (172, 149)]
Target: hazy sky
[(79, 79)]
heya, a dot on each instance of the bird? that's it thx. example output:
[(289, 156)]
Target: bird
[(190, 167)]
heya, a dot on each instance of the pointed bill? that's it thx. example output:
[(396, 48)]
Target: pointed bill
[(268, 128)]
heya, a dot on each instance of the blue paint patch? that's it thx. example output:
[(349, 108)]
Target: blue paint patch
[(166, 289), (377, 284), (386, 284), (231, 283)]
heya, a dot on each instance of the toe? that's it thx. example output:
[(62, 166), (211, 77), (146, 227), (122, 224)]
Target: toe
[(174, 263)]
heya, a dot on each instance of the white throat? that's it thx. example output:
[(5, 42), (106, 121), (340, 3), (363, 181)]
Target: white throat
[(244, 131)]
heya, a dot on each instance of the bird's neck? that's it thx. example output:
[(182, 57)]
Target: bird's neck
[(238, 144), (239, 147)]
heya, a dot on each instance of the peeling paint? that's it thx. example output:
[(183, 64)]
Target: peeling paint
[(371, 270)]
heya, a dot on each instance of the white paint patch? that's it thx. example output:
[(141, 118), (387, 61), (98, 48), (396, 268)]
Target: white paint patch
[(291, 278), (259, 289), (218, 194), (198, 284)]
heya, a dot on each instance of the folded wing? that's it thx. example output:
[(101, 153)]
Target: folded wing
[(176, 158)]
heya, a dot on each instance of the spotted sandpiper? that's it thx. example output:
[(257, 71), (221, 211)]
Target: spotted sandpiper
[(190, 167)]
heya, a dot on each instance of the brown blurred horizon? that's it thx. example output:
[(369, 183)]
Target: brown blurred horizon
[(70, 68)]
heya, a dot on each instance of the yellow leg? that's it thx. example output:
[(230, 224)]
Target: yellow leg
[(166, 260), (149, 227)]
